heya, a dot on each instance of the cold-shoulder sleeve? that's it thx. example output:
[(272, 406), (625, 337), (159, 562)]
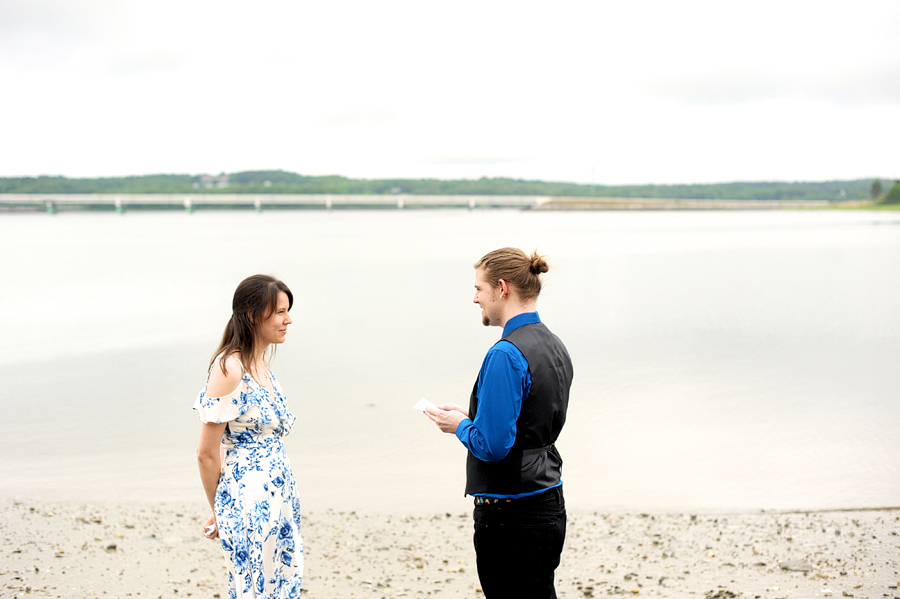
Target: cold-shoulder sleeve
[(222, 409)]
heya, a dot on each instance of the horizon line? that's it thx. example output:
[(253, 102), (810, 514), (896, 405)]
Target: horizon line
[(486, 178)]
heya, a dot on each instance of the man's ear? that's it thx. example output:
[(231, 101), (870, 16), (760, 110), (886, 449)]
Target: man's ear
[(504, 288)]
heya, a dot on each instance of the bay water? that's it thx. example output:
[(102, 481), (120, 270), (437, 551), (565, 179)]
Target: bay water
[(723, 360)]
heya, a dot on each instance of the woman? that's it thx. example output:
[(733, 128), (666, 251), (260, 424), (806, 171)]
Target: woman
[(243, 465)]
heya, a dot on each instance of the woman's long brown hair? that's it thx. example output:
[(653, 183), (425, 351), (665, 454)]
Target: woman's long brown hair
[(254, 301)]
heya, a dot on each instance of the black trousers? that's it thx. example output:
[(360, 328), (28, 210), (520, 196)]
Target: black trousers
[(518, 544)]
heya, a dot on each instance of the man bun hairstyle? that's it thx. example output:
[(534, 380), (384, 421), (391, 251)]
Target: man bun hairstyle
[(519, 270)]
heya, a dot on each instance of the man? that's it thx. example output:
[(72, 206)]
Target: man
[(516, 412)]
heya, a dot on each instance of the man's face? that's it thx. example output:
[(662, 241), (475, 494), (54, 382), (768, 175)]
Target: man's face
[(488, 297)]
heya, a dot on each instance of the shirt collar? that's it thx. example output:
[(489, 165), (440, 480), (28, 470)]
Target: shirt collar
[(520, 320)]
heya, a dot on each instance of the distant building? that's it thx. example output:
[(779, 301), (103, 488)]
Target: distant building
[(211, 181)]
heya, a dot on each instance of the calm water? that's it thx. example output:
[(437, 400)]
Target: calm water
[(723, 360)]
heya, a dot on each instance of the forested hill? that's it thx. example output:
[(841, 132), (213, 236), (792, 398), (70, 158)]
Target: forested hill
[(266, 182)]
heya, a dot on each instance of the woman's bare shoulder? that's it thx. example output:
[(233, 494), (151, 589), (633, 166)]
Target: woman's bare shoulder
[(224, 383)]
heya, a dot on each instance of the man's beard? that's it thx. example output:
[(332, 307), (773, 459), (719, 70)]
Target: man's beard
[(485, 320)]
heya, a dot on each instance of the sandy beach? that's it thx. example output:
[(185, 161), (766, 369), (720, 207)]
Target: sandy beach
[(133, 550)]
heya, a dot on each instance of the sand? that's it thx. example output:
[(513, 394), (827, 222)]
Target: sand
[(134, 550)]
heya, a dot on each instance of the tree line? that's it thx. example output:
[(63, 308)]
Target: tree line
[(279, 181), (879, 197)]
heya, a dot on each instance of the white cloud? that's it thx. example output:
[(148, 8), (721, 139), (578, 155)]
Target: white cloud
[(867, 84)]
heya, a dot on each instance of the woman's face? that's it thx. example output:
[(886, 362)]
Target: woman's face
[(274, 328)]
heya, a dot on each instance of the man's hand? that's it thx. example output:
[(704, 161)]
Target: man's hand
[(447, 416)]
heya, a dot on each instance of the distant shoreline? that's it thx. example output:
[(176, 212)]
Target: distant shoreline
[(120, 202), (279, 182)]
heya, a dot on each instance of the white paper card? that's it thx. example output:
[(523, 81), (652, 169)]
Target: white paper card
[(422, 404)]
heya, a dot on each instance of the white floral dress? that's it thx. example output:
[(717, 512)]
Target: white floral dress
[(256, 508)]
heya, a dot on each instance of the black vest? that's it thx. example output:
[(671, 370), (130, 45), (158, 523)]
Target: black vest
[(533, 463)]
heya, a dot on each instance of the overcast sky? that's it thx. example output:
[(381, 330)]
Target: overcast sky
[(610, 91)]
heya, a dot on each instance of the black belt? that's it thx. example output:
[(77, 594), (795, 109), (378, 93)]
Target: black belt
[(479, 500)]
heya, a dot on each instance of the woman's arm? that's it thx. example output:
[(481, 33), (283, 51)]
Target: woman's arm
[(209, 448), (210, 463), (209, 458)]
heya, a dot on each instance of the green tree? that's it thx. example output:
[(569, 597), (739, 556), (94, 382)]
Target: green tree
[(876, 190), (893, 195)]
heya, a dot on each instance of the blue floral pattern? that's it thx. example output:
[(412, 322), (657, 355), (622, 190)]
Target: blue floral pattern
[(256, 508)]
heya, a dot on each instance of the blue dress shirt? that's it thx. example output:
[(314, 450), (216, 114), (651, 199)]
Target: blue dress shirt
[(504, 382)]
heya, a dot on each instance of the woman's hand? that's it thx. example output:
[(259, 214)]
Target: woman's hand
[(211, 529)]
